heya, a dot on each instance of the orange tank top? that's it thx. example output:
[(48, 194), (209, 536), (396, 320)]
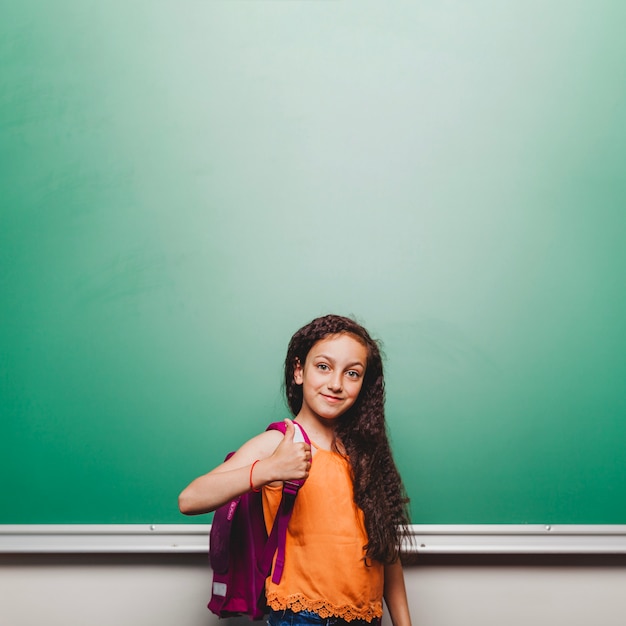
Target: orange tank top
[(325, 566)]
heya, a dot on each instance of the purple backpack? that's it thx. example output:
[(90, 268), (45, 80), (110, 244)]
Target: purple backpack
[(241, 552)]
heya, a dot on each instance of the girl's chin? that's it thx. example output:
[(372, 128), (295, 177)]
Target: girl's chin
[(329, 416)]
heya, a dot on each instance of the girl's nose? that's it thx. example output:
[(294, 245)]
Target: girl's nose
[(335, 383)]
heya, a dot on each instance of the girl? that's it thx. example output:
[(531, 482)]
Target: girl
[(350, 516)]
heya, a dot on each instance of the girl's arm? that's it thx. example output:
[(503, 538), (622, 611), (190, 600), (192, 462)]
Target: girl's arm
[(395, 595), (279, 458)]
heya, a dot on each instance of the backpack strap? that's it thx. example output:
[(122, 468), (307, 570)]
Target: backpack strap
[(278, 535)]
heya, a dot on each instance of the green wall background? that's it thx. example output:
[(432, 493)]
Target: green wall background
[(184, 184)]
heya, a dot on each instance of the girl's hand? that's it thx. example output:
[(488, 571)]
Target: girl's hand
[(264, 459), (291, 460)]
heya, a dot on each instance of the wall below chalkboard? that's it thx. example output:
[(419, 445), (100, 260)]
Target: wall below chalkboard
[(166, 589)]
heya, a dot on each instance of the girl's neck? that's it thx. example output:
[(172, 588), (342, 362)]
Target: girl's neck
[(322, 433)]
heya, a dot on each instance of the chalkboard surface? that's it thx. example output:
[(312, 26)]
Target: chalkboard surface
[(185, 184)]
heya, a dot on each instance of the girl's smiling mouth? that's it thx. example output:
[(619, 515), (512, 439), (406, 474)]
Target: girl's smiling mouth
[(331, 399)]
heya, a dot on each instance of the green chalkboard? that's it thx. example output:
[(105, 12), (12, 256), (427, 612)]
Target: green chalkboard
[(185, 184)]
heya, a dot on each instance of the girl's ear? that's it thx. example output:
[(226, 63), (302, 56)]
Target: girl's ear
[(297, 372)]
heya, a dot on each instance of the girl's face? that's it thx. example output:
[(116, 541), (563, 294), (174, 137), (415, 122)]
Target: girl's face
[(332, 376)]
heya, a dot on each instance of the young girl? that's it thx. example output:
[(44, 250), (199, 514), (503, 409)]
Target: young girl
[(350, 516)]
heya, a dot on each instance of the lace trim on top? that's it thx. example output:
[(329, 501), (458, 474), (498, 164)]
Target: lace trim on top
[(324, 609)]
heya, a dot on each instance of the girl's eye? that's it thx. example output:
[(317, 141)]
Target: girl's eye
[(322, 366), (352, 373)]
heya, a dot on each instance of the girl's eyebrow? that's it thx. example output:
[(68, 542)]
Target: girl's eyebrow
[(329, 358)]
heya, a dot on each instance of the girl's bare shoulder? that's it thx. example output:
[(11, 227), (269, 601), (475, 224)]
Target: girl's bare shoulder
[(266, 442), (259, 447)]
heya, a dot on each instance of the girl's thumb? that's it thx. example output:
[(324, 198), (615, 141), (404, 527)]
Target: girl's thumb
[(290, 429)]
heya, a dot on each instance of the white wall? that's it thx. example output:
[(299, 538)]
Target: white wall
[(166, 590)]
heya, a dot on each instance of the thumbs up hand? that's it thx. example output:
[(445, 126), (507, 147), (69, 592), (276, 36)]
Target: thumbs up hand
[(292, 459)]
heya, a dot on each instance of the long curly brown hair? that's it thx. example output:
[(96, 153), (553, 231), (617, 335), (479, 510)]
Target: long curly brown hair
[(362, 432)]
